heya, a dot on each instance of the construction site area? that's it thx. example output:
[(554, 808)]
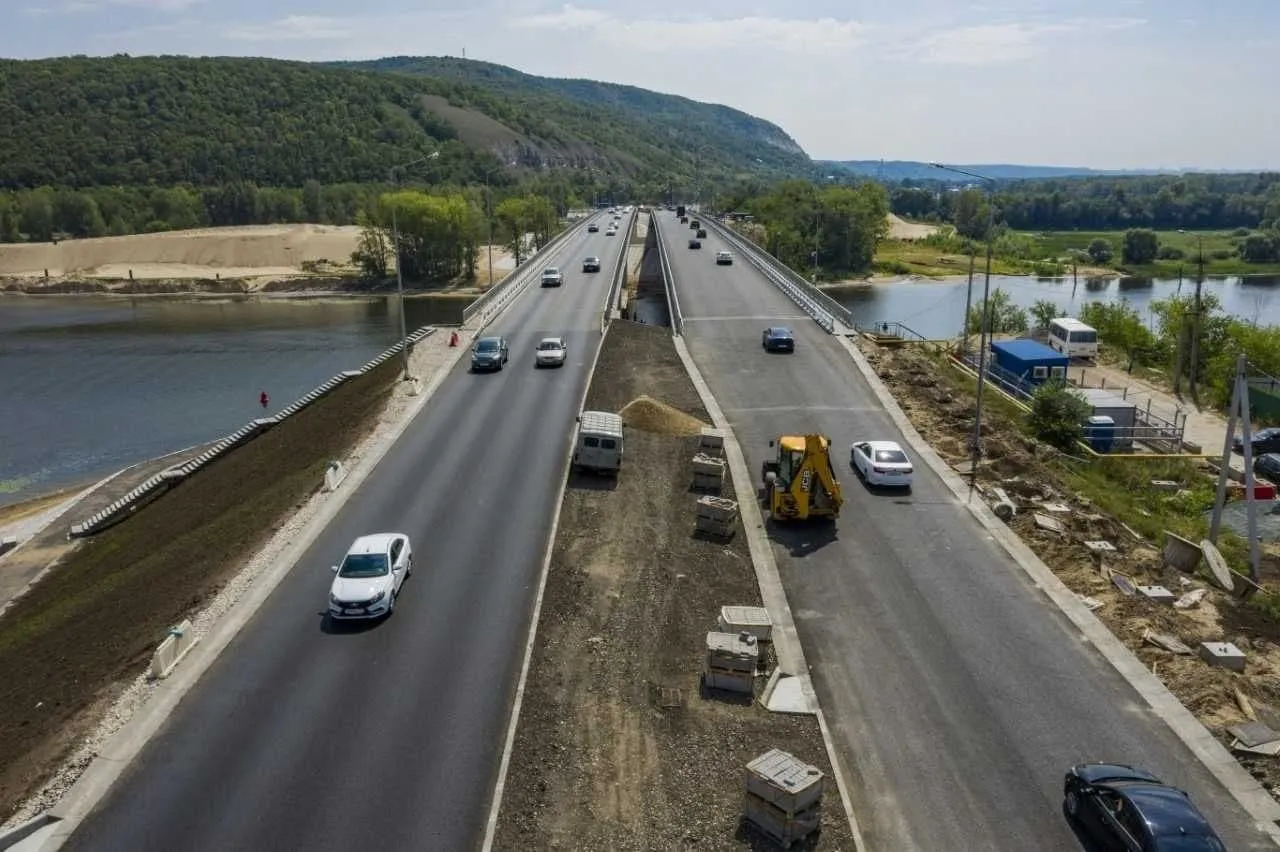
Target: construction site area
[(621, 744), (1123, 534)]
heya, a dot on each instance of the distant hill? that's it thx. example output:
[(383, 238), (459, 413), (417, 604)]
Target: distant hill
[(899, 170), (84, 122)]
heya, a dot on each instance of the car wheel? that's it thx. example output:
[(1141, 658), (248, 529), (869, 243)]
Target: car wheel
[(408, 571), (1072, 803), (391, 607)]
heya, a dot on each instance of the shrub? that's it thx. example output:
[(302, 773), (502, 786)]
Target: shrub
[(1057, 414)]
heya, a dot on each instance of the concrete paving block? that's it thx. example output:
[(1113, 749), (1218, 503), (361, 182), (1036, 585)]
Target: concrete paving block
[(176, 645), (751, 619), (1100, 546), (785, 781), (1222, 654), (333, 475), (1159, 594), (1164, 485)]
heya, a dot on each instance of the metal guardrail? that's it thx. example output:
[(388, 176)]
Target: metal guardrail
[(164, 479), (496, 298), (619, 271), (668, 279), (826, 311)]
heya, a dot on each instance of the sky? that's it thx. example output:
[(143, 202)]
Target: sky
[(1099, 83)]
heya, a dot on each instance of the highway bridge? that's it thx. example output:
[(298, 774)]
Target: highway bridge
[(957, 694)]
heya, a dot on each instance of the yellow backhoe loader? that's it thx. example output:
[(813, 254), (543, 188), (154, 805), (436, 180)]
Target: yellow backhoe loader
[(800, 482)]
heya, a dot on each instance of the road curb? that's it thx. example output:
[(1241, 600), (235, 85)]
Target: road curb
[(1242, 786), (499, 787), (786, 639)]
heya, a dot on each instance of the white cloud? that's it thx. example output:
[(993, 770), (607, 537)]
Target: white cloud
[(75, 6), (293, 28), (705, 34), (993, 44)]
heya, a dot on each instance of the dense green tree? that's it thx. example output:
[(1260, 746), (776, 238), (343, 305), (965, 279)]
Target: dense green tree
[(971, 213), (1119, 325), (1100, 250), (1002, 316), (1058, 413), (1141, 245), (1044, 312), (838, 226)]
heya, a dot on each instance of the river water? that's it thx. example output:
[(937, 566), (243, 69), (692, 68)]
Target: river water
[(936, 308), (91, 384)]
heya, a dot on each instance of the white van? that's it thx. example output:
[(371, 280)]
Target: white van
[(598, 444), (1073, 338)]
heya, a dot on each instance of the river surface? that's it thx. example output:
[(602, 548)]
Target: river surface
[(936, 308), (89, 385)]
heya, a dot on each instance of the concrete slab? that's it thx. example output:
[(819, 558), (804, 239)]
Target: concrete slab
[(788, 696)]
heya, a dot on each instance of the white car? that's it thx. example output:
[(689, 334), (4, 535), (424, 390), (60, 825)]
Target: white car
[(881, 463), (612, 230), (552, 277), (368, 581), (551, 352)]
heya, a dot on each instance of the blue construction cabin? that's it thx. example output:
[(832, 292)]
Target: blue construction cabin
[(1029, 361)]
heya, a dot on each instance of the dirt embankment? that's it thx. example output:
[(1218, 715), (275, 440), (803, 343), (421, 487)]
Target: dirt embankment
[(91, 624), (616, 749), (940, 406)]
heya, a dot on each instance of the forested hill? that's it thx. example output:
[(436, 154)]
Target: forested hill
[(82, 122)]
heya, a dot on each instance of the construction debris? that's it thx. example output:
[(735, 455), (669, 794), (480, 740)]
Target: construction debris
[(708, 472), (1222, 654), (749, 619), (1045, 522), (1172, 644), (1191, 599)]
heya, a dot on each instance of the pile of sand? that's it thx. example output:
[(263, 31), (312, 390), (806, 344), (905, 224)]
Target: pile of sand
[(650, 415), (900, 229)]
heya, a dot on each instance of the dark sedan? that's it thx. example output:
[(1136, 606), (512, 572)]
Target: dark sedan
[(778, 339), (1262, 441), (1122, 807), (1268, 465), (489, 353)]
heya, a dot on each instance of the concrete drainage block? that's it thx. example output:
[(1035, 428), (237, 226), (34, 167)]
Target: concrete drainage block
[(1222, 654), (333, 475), (171, 651), (1159, 594)]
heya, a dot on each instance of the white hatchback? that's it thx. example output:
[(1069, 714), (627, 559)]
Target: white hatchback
[(551, 352), (368, 581), (881, 463)]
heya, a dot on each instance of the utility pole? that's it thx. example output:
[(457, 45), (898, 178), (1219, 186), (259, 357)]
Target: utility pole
[(1195, 325), (968, 301), (395, 240), (975, 446), (1239, 413)]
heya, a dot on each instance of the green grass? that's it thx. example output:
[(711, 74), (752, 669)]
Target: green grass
[(913, 257), (1058, 243)]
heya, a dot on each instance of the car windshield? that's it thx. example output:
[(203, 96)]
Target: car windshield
[(548, 345), (551, 271), (489, 344), (890, 456), (364, 565), (780, 332)]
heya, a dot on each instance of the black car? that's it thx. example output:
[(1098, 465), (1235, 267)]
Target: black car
[(1268, 465), (1122, 807), (1261, 441), (593, 228), (778, 339), (702, 233), (591, 264), (489, 353), (695, 244)]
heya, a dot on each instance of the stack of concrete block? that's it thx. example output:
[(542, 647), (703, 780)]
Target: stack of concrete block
[(731, 662), (708, 473), (711, 441), (784, 796), (717, 515)]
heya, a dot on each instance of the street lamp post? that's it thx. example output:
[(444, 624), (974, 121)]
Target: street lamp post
[(488, 219), (395, 240), (976, 444)]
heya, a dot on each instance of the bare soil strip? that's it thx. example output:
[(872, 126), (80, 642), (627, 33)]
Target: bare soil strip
[(616, 748)]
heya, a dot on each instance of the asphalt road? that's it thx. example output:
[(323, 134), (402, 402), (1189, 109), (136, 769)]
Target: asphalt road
[(956, 692), (299, 738)]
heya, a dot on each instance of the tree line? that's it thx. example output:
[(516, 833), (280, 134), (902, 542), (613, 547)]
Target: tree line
[(1193, 202), (832, 230), (440, 235)]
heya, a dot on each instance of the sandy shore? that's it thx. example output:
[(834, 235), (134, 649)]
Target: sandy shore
[(297, 259)]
